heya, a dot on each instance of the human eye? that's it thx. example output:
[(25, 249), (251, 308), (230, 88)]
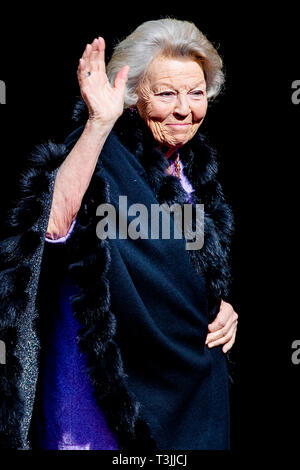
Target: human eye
[(197, 92), (166, 93)]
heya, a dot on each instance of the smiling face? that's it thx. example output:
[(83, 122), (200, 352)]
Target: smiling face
[(172, 99)]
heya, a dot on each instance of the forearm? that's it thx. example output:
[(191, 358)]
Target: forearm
[(73, 178)]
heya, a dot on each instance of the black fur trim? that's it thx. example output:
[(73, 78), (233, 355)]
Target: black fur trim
[(88, 267), (16, 250), (200, 167), (89, 260), (80, 112)]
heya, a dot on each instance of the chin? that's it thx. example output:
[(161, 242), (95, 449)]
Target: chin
[(178, 142)]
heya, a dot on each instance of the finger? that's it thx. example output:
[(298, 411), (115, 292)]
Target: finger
[(94, 45), (224, 314), (230, 343), (121, 78), (222, 331), (94, 57), (81, 71), (101, 45), (224, 339), (97, 55), (221, 339), (219, 322), (88, 58), (84, 55)]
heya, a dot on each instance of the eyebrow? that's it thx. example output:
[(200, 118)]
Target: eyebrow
[(171, 86)]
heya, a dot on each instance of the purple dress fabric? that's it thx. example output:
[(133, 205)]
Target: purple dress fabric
[(71, 418), (183, 179)]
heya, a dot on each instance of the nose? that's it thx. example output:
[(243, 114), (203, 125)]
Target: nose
[(182, 107)]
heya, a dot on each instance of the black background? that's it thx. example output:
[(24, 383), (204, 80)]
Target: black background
[(253, 125)]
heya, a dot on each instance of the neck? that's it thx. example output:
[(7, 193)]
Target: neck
[(169, 151)]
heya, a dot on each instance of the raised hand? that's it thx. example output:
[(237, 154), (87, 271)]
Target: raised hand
[(105, 102)]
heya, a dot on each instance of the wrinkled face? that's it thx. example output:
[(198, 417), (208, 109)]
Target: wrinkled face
[(172, 99)]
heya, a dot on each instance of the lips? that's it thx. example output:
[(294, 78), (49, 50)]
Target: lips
[(186, 124)]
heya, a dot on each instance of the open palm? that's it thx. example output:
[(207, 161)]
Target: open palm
[(105, 102)]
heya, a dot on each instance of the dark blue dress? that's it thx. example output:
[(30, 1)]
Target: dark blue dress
[(162, 323)]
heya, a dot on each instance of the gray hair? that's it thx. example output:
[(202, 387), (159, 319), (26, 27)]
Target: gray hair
[(168, 37)]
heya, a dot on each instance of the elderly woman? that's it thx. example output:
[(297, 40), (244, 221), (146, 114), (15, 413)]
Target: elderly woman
[(119, 342)]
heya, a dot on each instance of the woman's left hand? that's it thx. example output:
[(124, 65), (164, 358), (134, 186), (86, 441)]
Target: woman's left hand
[(223, 329)]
